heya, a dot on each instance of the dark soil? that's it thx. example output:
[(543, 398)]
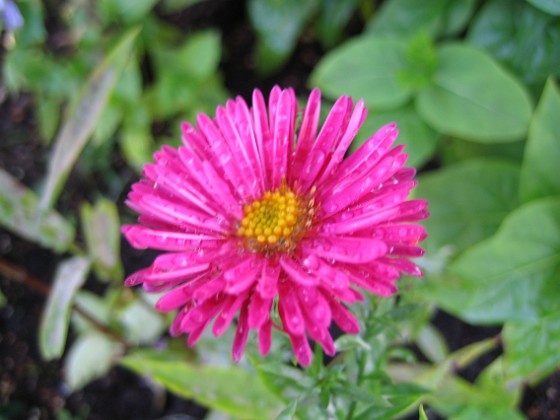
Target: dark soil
[(33, 389)]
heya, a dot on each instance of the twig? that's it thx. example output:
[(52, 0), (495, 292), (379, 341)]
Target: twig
[(20, 275)]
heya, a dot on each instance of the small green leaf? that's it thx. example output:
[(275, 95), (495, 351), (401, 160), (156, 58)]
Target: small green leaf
[(461, 103), (407, 17), (514, 274), (549, 6), (18, 206), (420, 140), (421, 413), (141, 323), (289, 412), (539, 174), (100, 225), (232, 390), (78, 127), (90, 357), (525, 39), (531, 347), (432, 343), (368, 68), (69, 277), (278, 24), (467, 201), (284, 381)]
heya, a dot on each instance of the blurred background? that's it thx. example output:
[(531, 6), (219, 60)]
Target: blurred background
[(90, 89)]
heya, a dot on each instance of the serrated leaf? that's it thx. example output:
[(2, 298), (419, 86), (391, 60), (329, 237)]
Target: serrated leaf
[(473, 98), (231, 390), (90, 357), (539, 174), (77, 129), (436, 17), (69, 277), (523, 38), (531, 347), (514, 274), (366, 68), (100, 224), (18, 206), (467, 201)]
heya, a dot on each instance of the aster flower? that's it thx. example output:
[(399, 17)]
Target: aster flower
[(272, 222)]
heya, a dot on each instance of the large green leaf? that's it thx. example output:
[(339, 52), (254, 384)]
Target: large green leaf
[(18, 206), (419, 138), (89, 357), (436, 17), (278, 24), (81, 122), (512, 275), (467, 201), (531, 347), (523, 38), (231, 390), (334, 17), (69, 277), (473, 98), (100, 224), (539, 174), (368, 68), (549, 6)]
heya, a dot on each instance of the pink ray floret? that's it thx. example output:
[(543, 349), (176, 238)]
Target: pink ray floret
[(266, 221)]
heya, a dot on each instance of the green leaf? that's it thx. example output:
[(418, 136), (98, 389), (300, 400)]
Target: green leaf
[(141, 323), (90, 357), (69, 277), (422, 413), (531, 347), (78, 127), (334, 16), (467, 201), (278, 24), (539, 173), (472, 97), (512, 275), (549, 6), (432, 343), (33, 30), (407, 17), (289, 412), (525, 39), (367, 68), (127, 10), (232, 390), (419, 138), (284, 381), (100, 225), (18, 206)]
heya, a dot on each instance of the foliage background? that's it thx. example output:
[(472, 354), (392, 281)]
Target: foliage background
[(91, 89)]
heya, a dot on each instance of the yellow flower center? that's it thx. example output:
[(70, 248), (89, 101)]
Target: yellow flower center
[(276, 222)]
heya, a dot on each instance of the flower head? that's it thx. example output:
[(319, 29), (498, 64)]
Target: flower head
[(259, 217)]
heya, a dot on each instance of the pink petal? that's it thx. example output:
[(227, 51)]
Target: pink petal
[(343, 318), (242, 276), (267, 285), (259, 311), (230, 308), (290, 314), (265, 337), (295, 272), (301, 349), (347, 249), (241, 334)]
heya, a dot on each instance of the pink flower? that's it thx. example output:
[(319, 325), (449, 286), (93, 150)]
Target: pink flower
[(282, 232)]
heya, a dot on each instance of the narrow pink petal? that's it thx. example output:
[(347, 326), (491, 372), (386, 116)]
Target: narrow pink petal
[(343, 318), (306, 135), (369, 153), (356, 224), (181, 295), (282, 136), (290, 314), (262, 133), (259, 311), (242, 276), (265, 337), (381, 285), (356, 121), (209, 290), (330, 274), (267, 286), (336, 122), (241, 334), (301, 348), (295, 272), (194, 141), (202, 314), (347, 249), (404, 266), (175, 328), (314, 306), (400, 233), (230, 308)]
